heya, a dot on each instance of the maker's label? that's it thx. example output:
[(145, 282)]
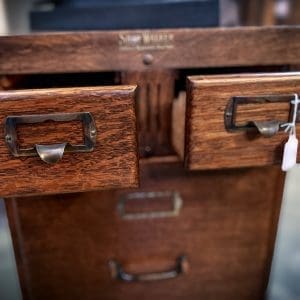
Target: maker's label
[(146, 41)]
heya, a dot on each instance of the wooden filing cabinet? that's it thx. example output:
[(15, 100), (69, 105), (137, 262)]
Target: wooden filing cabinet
[(203, 222)]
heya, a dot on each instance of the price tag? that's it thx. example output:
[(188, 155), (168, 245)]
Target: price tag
[(290, 153)]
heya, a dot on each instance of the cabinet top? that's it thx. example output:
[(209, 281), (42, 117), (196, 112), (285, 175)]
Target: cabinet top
[(94, 51)]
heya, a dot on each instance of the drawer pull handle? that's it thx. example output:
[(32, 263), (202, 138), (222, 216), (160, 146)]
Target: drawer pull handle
[(50, 153), (265, 128), (117, 272)]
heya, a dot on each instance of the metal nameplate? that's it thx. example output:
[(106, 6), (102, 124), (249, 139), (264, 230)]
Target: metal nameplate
[(146, 41)]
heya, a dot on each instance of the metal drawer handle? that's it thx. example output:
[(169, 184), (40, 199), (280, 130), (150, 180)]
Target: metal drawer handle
[(117, 272), (50, 153), (265, 128)]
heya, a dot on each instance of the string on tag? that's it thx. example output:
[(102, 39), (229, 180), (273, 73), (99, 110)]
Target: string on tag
[(291, 146), (291, 126)]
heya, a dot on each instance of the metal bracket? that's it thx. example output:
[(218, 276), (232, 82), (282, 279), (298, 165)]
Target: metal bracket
[(266, 128), (50, 153), (172, 195)]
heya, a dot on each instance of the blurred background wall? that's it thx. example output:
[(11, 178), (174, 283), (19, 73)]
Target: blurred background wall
[(14, 16)]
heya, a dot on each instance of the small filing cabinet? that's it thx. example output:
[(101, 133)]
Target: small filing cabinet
[(202, 222)]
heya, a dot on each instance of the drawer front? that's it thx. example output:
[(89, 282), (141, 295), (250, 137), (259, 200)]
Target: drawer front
[(231, 119), (64, 244), (67, 140)]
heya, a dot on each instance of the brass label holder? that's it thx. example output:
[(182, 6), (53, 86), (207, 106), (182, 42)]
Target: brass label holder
[(174, 196), (267, 128), (50, 153)]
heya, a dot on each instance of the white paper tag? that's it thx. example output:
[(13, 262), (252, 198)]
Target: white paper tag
[(290, 153)]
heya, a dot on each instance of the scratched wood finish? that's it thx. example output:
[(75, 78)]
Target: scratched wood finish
[(63, 243), (100, 51), (154, 108), (279, 112), (50, 132), (112, 164), (209, 145)]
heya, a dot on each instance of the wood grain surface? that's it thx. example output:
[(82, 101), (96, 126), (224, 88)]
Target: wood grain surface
[(112, 164), (226, 228), (168, 49), (209, 145)]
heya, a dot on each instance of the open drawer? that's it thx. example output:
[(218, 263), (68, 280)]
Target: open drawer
[(236, 120), (67, 140)]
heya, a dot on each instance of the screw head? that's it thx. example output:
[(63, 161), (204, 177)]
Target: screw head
[(8, 138), (93, 132), (148, 59)]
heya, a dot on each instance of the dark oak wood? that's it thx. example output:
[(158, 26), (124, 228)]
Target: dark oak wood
[(170, 49), (225, 228), (209, 145), (112, 164)]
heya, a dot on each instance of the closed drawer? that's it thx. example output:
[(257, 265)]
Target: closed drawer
[(64, 244), (229, 117), (67, 140)]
